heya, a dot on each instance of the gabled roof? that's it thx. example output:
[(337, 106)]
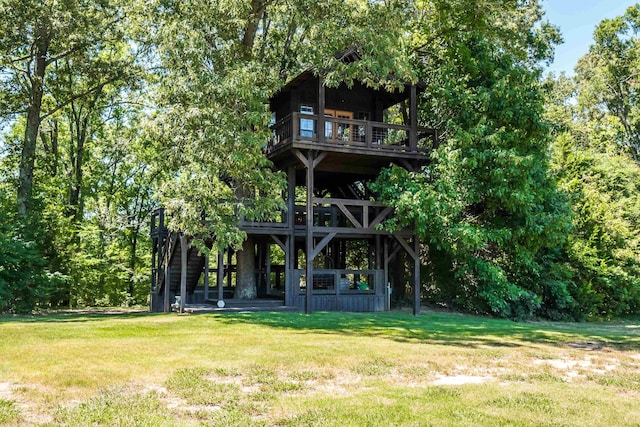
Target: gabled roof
[(348, 56)]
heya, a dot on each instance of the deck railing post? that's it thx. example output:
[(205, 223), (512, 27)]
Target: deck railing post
[(413, 119), (321, 102), (295, 126)]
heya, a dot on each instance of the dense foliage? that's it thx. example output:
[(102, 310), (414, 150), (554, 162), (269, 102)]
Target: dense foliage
[(112, 108)]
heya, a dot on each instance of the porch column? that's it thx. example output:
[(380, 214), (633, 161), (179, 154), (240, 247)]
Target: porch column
[(206, 277), (184, 247), (167, 277), (309, 239), (220, 278), (290, 293)]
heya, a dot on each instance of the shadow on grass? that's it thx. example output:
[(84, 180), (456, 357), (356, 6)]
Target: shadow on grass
[(429, 328), (438, 328), (75, 316)]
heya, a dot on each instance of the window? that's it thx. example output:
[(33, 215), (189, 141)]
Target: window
[(306, 125)]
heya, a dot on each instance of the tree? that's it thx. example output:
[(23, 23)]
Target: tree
[(37, 40), (486, 206), (608, 77), (601, 180), (217, 70)]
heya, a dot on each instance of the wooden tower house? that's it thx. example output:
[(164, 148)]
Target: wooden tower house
[(326, 251)]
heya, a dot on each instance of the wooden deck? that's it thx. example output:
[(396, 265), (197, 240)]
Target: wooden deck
[(347, 136)]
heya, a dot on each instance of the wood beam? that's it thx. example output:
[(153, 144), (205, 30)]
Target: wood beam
[(309, 227), (321, 102), (279, 242), (267, 266), (413, 118), (320, 157), (291, 196), (348, 214), (167, 276), (288, 271), (416, 277), (184, 248), (321, 245), (407, 165), (406, 246), (347, 202), (206, 277), (394, 252), (380, 217), (303, 159), (220, 278)]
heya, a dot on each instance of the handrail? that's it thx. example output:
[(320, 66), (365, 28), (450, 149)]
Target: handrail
[(348, 132)]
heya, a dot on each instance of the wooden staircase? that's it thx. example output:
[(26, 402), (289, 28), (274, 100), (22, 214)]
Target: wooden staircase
[(167, 249)]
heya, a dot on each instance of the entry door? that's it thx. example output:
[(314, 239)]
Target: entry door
[(335, 129)]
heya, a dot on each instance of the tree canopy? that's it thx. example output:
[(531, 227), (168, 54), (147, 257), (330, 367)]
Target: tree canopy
[(110, 109)]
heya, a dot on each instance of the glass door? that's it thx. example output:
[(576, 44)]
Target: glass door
[(335, 129)]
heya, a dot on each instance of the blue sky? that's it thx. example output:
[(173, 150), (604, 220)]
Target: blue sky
[(577, 20)]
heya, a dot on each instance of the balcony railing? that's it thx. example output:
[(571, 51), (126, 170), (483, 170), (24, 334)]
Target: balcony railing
[(302, 127)]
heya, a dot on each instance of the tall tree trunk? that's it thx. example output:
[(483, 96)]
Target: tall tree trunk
[(27, 161), (75, 202), (257, 10), (246, 288)]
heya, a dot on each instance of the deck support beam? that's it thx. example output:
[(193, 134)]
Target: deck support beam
[(167, 278), (414, 253), (184, 248), (322, 244), (289, 243), (416, 276), (309, 237), (220, 278), (206, 277)]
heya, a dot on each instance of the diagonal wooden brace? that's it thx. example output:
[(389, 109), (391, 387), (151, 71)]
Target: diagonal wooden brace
[(321, 245)]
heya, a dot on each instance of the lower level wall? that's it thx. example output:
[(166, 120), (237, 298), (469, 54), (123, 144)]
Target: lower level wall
[(357, 303)]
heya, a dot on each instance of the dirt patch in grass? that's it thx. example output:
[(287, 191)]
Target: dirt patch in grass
[(461, 380), (6, 392)]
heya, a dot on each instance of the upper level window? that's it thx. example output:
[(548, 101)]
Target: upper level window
[(306, 125)]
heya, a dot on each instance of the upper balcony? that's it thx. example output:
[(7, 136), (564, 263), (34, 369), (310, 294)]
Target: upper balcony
[(347, 135)]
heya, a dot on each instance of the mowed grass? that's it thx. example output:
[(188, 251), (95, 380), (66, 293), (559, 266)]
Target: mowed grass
[(324, 369)]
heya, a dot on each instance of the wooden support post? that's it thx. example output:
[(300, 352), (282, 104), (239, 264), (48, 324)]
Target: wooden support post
[(309, 237), (321, 102), (258, 262), (229, 259), (184, 247), (167, 278), (268, 267), (386, 273), (220, 278), (416, 276), (289, 249), (413, 119), (290, 293), (206, 277)]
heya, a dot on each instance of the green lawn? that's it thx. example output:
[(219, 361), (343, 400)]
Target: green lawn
[(290, 369)]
